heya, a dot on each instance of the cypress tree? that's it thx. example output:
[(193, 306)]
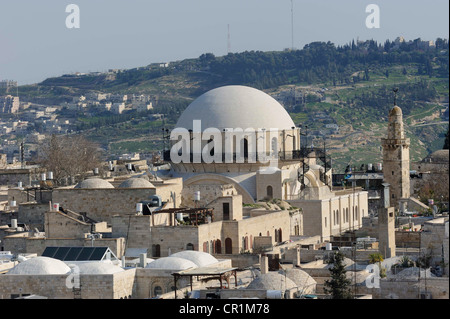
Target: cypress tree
[(338, 286)]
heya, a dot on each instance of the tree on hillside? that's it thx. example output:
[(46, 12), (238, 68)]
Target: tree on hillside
[(338, 286), (68, 157)]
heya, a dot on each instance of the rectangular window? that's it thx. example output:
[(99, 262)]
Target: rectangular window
[(226, 211)]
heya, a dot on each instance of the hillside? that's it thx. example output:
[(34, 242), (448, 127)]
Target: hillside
[(342, 93)]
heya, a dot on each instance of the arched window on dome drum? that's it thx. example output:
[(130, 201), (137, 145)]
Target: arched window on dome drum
[(245, 148), (269, 192), (228, 246), (190, 246), (274, 146)]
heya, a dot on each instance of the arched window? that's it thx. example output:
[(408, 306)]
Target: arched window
[(274, 148), (218, 246), (280, 235), (269, 192), (228, 246), (156, 250), (245, 148), (190, 246)]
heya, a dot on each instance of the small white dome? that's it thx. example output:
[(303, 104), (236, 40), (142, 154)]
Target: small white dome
[(171, 263), (40, 266), (201, 259), (272, 281), (300, 277), (93, 183), (96, 267), (136, 183)]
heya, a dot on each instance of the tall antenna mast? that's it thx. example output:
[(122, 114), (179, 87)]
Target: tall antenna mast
[(229, 40), (292, 24)]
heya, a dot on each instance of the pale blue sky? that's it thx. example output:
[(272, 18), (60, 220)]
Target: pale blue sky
[(35, 43)]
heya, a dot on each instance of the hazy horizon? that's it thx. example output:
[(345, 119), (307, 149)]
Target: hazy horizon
[(35, 43)]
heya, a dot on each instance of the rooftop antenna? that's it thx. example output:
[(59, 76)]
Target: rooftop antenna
[(292, 24), (229, 40)]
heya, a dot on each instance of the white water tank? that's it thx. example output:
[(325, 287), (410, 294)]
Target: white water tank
[(139, 207), (96, 171), (180, 216), (328, 246), (369, 167), (50, 175), (197, 196), (13, 203), (13, 223), (43, 177), (19, 184), (55, 207)]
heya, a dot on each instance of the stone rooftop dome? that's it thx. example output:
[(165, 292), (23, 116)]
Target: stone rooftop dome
[(272, 280), (40, 266), (171, 263), (201, 259), (93, 183), (235, 106), (300, 277), (439, 156), (136, 182)]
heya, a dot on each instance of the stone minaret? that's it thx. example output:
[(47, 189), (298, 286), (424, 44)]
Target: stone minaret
[(396, 158), (386, 226)]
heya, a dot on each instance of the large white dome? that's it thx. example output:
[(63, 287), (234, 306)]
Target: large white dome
[(40, 266), (200, 258), (236, 106), (171, 263)]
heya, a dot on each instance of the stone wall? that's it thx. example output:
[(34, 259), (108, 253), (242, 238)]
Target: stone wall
[(60, 225), (437, 288), (113, 286), (33, 215), (11, 177), (332, 216), (101, 204)]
